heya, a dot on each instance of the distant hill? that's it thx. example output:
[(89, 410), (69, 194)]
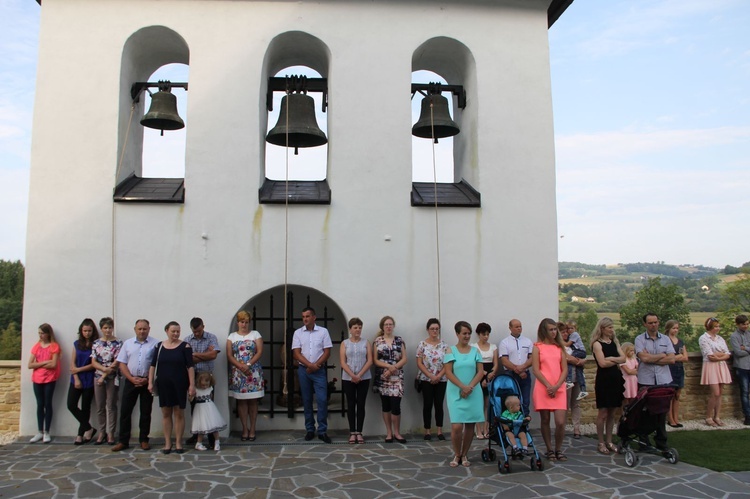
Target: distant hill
[(574, 270)]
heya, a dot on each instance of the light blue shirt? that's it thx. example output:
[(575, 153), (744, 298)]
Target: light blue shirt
[(653, 374), (201, 346), (312, 343), (137, 355)]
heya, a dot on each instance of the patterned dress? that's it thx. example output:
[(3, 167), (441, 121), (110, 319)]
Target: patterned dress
[(105, 353), (394, 385), (432, 358), (243, 349)]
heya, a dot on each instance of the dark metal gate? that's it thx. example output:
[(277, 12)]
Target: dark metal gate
[(273, 371)]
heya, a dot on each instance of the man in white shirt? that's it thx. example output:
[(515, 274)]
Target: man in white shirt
[(311, 347), (515, 356)]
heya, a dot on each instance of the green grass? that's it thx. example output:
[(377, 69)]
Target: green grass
[(715, 450)]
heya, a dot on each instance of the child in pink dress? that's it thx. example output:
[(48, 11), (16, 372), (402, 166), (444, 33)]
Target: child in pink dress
[(630, 372)]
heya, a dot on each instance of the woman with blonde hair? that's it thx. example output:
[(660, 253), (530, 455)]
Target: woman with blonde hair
[(609, 385), (244, 349), (389, 357), (715, 371), (550, 366)]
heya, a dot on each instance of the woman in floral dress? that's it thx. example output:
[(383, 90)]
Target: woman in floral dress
[(244, 349), (432, 380), (389, 356), (106, 383)]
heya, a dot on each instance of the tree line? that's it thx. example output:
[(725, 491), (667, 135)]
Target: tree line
[(11, 309), (670, 301)]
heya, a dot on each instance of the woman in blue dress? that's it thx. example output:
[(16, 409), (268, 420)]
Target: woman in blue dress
[(82, 381), (464, 370)]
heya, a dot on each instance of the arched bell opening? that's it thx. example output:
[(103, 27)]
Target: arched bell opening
[(281, 400)]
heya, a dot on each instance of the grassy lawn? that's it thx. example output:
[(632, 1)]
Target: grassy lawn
[(715, 450)]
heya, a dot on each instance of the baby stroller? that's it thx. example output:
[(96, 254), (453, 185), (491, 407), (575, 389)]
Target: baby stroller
[(640, 419), (500, 388)]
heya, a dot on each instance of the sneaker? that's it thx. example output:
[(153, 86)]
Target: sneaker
[(582, 395), (46, 438), (569, 385), (36, 438), (200, 446), (217, 446)]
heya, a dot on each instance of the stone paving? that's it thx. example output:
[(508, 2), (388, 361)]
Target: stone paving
[(280, 464)]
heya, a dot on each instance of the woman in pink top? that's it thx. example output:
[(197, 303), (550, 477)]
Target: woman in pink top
[(715, 371), (550, 368), (45, 362)]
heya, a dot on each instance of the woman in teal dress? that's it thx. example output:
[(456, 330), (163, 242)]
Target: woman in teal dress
[(464, 370)]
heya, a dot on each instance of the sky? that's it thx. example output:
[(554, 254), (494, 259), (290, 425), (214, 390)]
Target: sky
[(652, 129)]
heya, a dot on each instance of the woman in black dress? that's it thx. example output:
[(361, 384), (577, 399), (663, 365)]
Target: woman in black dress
[(609, 385), (173, 377)]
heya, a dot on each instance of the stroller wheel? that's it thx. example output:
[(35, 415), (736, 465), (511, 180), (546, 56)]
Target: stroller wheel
[(672, 456), (493, 456), (539, 464), (503, 466), (630, 458), (485, 456)]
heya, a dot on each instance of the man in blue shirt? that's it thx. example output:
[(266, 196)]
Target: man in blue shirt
[(656, 353), (135, 360)]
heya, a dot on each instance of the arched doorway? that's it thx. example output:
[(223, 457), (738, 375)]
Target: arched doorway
[(267, 311)]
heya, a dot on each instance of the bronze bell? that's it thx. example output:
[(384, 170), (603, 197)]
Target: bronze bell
[(303, 128), (163, 112), (441, 121)]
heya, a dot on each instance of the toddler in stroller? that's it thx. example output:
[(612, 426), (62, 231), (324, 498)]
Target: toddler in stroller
[(643, 417), (515, 426), (509, 425)]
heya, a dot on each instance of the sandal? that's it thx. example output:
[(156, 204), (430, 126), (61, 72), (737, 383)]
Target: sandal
[(711, 422), (602, 448), (454, 463), (612, 447), (719, 422), (360, 438), (465, 462), (550, 455), (352, 438), (560, 456)]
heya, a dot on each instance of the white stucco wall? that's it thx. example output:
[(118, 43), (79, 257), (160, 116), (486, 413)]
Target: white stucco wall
[(497, 262)]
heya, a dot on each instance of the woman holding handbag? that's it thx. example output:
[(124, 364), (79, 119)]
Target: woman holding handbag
[(172, 378)]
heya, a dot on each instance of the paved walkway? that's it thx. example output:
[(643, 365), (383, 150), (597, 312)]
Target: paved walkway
[(283, 465)]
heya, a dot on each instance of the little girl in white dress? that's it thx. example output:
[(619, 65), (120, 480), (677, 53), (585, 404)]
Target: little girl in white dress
[(206, 416)]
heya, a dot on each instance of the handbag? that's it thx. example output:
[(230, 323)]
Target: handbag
[(155, 393)]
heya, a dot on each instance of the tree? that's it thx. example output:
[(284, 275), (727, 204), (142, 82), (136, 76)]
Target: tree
[(11, 292), (10, 343), (665, 301), (735, 299)]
